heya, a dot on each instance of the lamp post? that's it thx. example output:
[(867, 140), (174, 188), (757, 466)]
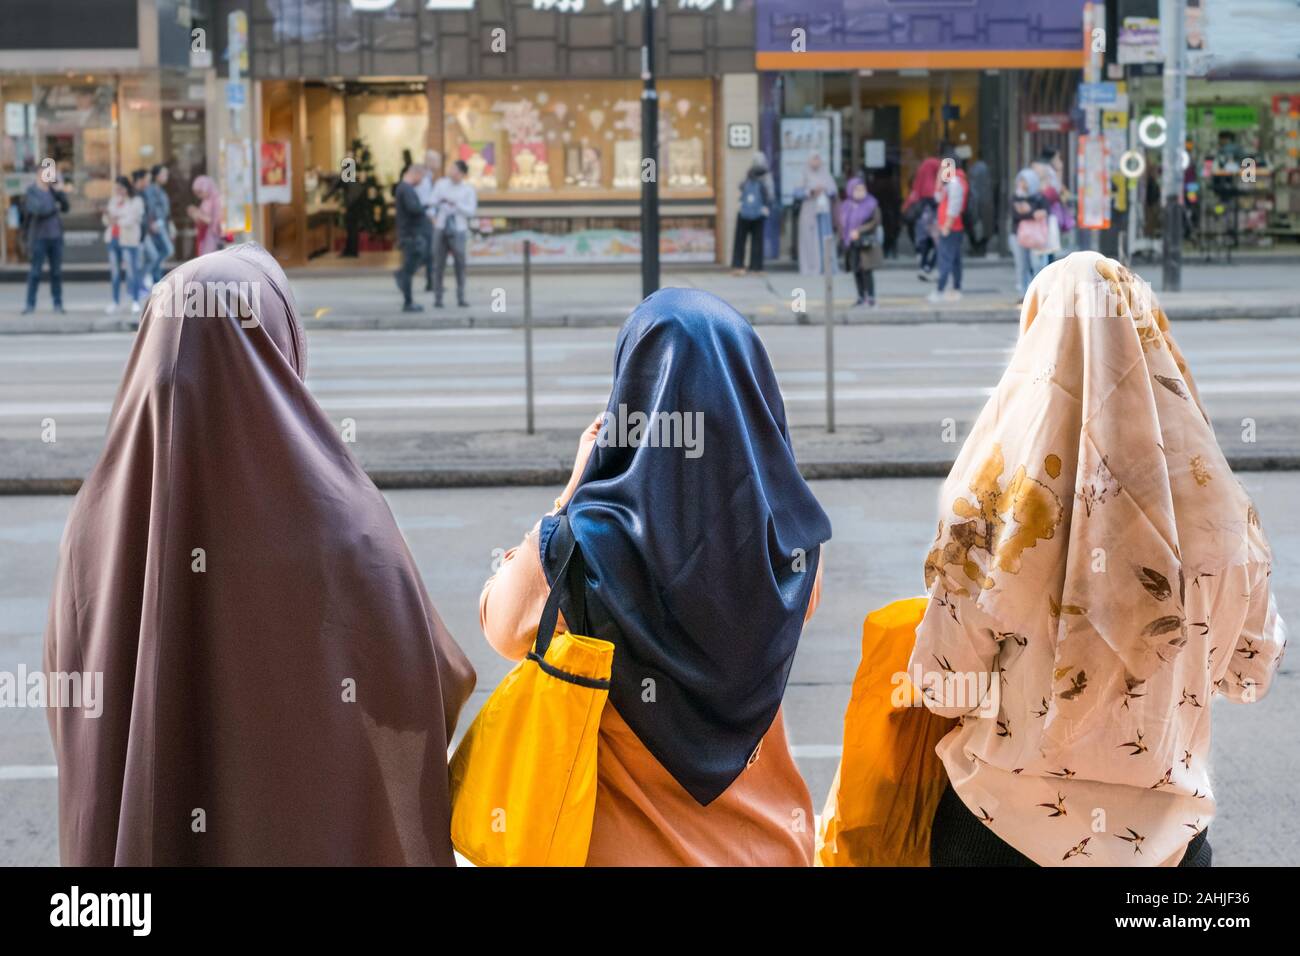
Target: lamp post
[(649, 150)]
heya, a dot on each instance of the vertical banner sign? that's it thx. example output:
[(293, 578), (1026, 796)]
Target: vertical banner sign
[(1093, 163), (238, 153)]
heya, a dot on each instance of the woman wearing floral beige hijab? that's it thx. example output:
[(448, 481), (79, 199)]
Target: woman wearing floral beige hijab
[(1097, 577)]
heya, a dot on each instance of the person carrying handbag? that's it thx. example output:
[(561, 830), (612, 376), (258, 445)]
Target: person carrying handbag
[(860, 239), (1030, 229)]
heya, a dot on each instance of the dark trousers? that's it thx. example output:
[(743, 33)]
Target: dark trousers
[(751, 230), (352, 222), (446, 240), (41, 250), (864, 279), (960, 838), (414, 252), (925, 252), (431, 236), (950, 260)]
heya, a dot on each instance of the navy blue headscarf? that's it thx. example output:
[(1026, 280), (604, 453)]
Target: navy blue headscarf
[(700, 559)]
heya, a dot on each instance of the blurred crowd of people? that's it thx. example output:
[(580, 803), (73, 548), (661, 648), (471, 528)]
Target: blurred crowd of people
[(139, 233), (950, 208)]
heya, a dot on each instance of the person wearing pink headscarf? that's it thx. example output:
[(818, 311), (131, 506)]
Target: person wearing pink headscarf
[(206, 216)]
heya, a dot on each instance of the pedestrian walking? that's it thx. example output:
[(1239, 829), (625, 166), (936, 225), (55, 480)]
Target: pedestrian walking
[(919, 214), (757, 196), (42, 217), (817, 193), (1051, 174), (160, 237), (412, 233), (952, 194), (283, 677), (1098, 562), (861, 236), (455, 202), (123, 226), (1029, 237), (140, 181), (697, 591), (432, 173), (207, 216)]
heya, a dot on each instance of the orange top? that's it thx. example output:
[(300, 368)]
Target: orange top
[(643, 816)]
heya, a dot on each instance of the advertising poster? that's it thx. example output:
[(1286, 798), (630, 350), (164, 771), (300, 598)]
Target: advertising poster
[(273, 183)]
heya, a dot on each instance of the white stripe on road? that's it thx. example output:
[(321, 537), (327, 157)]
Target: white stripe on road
[(436, 402), (29, 772)]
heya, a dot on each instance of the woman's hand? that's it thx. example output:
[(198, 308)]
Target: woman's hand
[(585, 444), (853, 236), (1040, 214)]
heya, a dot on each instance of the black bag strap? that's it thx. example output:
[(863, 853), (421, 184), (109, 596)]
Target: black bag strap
[(572, 578)]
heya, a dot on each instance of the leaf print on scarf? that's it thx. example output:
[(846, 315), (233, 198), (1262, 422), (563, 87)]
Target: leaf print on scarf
[(999, 523), (1174, 386), (1100, 487)]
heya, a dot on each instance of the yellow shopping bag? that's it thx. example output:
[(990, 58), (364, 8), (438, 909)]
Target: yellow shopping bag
[(523, 781), (889, 781)]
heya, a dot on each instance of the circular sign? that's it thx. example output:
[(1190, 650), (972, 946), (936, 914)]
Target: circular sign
[(1153, 140), (1133, 164)]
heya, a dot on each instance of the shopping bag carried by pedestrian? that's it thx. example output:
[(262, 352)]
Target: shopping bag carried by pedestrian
[(1033, 234), (887, 786), (523, 781)]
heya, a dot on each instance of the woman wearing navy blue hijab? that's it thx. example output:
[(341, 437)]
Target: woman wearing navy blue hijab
[(702, 545)]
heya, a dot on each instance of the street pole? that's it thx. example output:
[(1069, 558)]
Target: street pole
[(649, 150), (1173, 36), (828, 268), (528, 334)]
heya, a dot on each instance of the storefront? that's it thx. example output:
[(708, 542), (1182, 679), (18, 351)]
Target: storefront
[(892, 84), (548, 120), (130, 105), (1243, 144)]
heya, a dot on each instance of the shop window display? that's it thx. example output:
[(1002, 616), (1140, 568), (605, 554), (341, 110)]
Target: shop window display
[(579, 142)]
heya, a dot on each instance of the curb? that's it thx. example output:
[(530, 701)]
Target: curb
[(401, 479), (881, 316)]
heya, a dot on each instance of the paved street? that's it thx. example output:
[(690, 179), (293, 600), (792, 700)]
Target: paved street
[(441, 399), (882, 529)]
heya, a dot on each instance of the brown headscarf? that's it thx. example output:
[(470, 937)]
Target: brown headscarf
[(287, 694)]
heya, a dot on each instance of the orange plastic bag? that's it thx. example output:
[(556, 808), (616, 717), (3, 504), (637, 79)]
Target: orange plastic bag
[(889, 781)]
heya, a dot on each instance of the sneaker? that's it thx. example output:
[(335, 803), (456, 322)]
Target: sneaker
[(60, 310), (923, 275), (135, 306), (952, 295), (437, 303), (935, 297), (871, 302), (412, 307), (28, 310), (462, 303), (111, 308), (737, 272), (859, 301)]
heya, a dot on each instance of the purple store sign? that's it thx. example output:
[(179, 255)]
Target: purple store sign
[(901, 34)]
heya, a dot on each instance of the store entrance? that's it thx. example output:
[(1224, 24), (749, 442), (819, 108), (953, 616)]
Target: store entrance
[(347, 143)]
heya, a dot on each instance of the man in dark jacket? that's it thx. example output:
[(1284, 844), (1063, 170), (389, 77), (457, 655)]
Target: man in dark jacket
[(43, 206), (412, 226)]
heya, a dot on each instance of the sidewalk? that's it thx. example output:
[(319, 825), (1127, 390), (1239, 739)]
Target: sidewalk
[(604, 297), (445, 459)]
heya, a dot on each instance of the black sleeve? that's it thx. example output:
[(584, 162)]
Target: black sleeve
[(61, 198)]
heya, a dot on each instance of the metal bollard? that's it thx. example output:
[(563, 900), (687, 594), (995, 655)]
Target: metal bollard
[(528, 330), (828, 267)]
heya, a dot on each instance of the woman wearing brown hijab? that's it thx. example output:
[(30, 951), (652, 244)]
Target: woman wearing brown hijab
[(278, 688)]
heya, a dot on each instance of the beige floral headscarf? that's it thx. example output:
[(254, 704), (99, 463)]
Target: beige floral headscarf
[(1092, 483)]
